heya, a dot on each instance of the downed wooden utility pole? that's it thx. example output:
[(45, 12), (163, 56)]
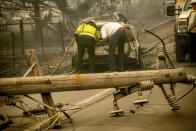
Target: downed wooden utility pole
[(46, 96), (44, 84)]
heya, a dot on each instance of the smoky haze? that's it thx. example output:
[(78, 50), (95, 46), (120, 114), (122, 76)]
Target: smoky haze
[(60, 18), (143, 11), (139, 13)]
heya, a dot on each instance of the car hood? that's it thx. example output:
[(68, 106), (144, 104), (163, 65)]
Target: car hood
[(185, 14), (101, 23)]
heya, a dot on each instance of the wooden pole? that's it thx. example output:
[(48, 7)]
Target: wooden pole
[(13, 51), (22, 36), (61, 35), (42, 39), (43, 84), (37, 16), (125, 7), (46, 96), (38, 24)]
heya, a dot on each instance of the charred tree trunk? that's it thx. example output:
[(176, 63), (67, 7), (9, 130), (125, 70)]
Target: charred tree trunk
[(38, 24), (37, 16)]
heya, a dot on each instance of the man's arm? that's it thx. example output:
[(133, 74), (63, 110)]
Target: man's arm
[(97, 35), (79, 29), (76, 36), (191, 22), (77, 33), (104, 34)]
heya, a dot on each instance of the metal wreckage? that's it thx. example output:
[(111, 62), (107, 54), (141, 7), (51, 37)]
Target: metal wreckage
[(131, 48)]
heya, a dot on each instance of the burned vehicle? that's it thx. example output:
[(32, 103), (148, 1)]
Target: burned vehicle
[(131, 48)]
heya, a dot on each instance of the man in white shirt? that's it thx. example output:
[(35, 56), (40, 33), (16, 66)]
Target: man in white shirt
[(116, 34), (192, 31)]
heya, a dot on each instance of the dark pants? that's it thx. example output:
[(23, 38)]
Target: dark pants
[(85, 41), (192, 47), (118, 38)]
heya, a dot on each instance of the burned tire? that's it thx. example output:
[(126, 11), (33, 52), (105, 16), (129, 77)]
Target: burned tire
[(181, 47)]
